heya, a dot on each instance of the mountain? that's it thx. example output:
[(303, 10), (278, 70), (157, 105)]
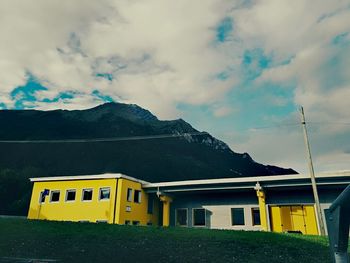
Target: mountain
[(155, 160)]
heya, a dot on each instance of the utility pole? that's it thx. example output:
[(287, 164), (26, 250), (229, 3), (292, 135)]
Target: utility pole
[(312, 175)]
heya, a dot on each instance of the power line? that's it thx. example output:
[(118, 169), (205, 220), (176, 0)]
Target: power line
[(159, 136), (324, 122), (274, 126), (112, 139)]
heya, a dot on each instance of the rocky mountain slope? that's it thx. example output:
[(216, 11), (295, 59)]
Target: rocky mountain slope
[(154, 160)]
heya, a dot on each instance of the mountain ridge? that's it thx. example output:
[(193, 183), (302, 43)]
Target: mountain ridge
[(167, 159)]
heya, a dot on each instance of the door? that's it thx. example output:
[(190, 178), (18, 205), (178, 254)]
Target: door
[(310, 220), (275, 219), (286, 220), (298, 218)]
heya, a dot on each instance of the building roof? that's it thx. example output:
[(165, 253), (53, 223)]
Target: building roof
[(87, 177), (292, 180)]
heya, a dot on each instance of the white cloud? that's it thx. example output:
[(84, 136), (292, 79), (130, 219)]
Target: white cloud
[(159, 53)]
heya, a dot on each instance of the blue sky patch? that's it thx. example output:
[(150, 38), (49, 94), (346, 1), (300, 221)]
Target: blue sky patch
[(341, 38), (61, 96), (3, 106), (108, 76), (254, 61), (101, 96), (24, 94), (224, 29)]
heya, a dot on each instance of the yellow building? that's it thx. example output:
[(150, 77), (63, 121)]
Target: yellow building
[(279, 203), (110, 198)]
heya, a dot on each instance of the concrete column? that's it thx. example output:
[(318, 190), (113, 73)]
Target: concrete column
[(166, 209)]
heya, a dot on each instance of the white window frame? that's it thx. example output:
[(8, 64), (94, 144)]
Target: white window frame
[(52, 192), (186, 217), (130, 196), (205, 216), (99, 194), (70, 190), (40, 196), (139, 197), (82, 194)]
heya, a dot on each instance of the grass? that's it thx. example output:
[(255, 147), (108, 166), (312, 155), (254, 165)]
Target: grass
[(84, 242)]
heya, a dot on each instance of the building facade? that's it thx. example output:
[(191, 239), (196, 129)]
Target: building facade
[(110, 198), (271, 203)]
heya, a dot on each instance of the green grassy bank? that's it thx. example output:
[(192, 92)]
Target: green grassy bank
[(83, 242)]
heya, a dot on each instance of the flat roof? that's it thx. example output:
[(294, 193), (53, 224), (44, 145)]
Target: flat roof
[(87, 177), (254, 179), (204, 182)]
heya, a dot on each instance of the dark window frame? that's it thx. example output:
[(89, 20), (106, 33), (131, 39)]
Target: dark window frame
[(255, 209), (233, 221), (83, 196), (100, 192), (71, 191), (193, 217), (42, 197), (150, 205), (129, 194), (51, 196), (176, 217), (137, 196)]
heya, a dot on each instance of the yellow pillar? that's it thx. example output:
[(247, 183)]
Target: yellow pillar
[(166, 209), (262, 209)]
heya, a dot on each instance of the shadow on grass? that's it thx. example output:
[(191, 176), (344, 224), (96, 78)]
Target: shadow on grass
[(84, 242)]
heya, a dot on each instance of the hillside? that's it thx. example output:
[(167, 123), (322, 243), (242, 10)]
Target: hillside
[(189, 157), (79, 242)]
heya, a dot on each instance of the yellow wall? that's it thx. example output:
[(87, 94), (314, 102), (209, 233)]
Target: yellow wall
[(76, 210), (294, 218), (93, 210), (131, 211)]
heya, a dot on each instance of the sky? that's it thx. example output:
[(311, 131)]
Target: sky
[(238, 69)]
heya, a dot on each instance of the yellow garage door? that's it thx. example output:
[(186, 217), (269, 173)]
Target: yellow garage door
[(310, 220), (299, 218)]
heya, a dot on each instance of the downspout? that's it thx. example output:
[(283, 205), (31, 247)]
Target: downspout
[(115, 199)]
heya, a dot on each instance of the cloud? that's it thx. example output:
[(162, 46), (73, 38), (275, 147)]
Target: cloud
[(154, 53), (261, 58), (222, 111)]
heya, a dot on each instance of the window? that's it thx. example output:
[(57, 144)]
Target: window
[(101, 221), (181, 217), (42, 196), (55, 196), (87, 195), (129, 195), (150, 204), (104, 193), (70, 195), (127, 222), (137, 196), (199, 217), (135, 223), (256, 216), (237, 216)]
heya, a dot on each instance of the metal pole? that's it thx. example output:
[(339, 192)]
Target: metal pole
[(312, 175), (338, 222)]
